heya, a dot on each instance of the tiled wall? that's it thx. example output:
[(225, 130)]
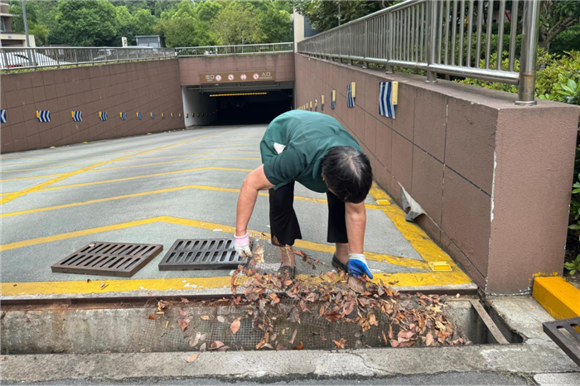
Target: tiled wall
[(283, 64), (452, 147), (126, 87)]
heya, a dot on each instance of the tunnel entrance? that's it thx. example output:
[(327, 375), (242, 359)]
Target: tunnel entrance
[(239, 104), (253, 107)]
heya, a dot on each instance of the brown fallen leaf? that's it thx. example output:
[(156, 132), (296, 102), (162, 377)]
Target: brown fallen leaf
[(384, 337), (193, 342), (429, 339), (204, 317), (2, 359), (152, 316), (395, 343), (391, 334), (192, 358), (221, 319), (202, 348), (182, 313), (340, 344), (405, 334), (184, 300), (183, 324), (235, 326), (216, 344), (281, 347), (299, 347)]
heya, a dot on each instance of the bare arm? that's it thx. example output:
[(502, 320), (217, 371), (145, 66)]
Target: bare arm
[(253, 183), (356, 220)]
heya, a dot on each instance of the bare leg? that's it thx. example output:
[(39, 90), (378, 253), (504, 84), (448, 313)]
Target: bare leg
[(342, 253)]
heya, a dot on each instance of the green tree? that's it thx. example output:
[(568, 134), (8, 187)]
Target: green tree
[(87, 23), (325, 15), (276, 25), (557, 17), (185, 31), (125, 26), (237, 24), (207, 10), (145, 22)]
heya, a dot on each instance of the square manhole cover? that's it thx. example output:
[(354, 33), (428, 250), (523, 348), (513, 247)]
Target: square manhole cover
[(108, 259), (201, 254)]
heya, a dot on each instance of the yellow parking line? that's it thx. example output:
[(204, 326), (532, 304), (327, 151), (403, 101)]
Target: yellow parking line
[(79, 171), (300, 244), (30, 178)]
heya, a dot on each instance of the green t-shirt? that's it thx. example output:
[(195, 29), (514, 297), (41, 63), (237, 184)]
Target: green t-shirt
[(295, 144)]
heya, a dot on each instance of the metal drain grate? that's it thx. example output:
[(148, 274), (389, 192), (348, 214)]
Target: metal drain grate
[(201, 254), (108, 259), (568, 339)]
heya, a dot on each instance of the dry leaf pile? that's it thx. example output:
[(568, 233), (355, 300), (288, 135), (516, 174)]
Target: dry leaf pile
[(329, 310)]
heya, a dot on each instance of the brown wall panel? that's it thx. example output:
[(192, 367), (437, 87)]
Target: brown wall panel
[(128, 87), (463, 152)]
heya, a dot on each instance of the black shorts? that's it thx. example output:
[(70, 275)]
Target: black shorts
[(284, 223)]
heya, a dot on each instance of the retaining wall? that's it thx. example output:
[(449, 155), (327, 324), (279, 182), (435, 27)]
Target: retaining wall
[(493, 178), (151, 86)]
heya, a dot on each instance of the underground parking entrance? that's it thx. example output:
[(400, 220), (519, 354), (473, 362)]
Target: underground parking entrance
[(236, 104)]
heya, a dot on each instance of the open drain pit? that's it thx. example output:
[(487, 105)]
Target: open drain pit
[(197, 326)]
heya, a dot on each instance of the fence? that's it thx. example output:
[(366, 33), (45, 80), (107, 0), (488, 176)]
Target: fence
[(22, 58), (443, 36), (234, 49)]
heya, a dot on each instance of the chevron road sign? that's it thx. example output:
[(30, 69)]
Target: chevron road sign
[(103, 115), (388, 99), (2, 116), (139, 115), (152, 114), (77, 116), (43, 115), (123, 116), (350, 93)]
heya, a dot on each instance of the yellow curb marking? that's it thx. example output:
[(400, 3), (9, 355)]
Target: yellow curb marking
[(560, 298)]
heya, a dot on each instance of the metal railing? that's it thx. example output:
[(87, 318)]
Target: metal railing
[(13, 58), (240, 49), (453, 37)]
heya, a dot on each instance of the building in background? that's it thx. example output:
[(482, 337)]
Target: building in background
[(9, 38), (302, 28), (155, 41)]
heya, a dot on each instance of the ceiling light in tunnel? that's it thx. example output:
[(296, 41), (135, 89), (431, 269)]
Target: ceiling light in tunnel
[(237, 94)]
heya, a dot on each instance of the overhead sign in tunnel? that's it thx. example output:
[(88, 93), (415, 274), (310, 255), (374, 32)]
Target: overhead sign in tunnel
[(236, 77)]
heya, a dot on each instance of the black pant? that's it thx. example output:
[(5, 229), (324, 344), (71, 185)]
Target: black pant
[(284, 223)]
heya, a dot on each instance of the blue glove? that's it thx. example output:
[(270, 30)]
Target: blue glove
[(357, 266)]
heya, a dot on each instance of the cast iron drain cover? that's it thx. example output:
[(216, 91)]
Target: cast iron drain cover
[(108, 259), (201, 254), (570, 344)]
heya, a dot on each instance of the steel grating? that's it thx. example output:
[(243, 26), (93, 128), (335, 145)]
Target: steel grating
[(565, 334), (201, 254), (108, 259)]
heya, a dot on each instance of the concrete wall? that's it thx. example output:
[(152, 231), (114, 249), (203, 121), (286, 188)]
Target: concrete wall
[(129, 87), (199, 108), (282, 64), (494, 178)]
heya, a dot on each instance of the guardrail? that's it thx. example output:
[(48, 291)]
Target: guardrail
[(241, 49), (442, 36), (23, 58)]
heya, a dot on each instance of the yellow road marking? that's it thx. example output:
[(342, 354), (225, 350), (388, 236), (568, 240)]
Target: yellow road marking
[(115, 286), (300, 244), (114, 198), (417, 237), (21, 193), (169, 162), (135, 166), (126, 160)]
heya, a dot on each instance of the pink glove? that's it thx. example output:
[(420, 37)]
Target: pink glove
[(242, 245)]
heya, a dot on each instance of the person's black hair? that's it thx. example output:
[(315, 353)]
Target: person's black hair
[(347, 173)]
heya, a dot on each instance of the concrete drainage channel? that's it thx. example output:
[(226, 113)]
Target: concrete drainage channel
[(136, 326)]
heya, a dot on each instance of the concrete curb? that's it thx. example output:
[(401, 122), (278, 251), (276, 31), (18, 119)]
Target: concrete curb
[(560, 298), (522, 359)]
